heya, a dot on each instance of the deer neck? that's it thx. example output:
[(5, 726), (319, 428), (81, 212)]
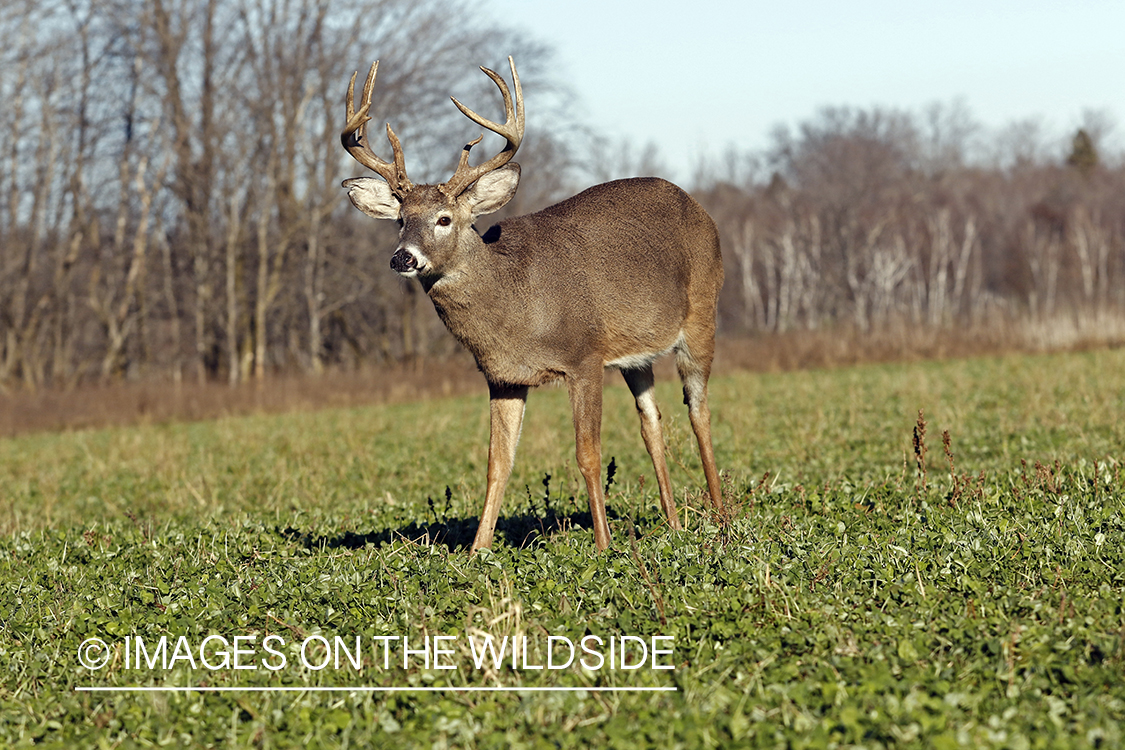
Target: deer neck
[(474, 297)]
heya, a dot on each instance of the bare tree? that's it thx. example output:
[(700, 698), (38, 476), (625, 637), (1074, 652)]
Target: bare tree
[(226, 111), (874, 219)]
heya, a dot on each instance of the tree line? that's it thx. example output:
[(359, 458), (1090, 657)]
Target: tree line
[(170, 201), (880, 219), (170, 198)]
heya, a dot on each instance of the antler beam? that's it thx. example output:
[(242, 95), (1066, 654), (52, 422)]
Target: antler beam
[(354, 139), (512, 130)]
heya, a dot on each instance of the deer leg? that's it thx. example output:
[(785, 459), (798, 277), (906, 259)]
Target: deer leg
[(506, 405), (641, 382), (586, 404), (694, 372)]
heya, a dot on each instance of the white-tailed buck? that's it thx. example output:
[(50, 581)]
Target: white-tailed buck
[(614, 277)]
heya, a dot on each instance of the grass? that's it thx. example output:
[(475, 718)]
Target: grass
[(863, 592)]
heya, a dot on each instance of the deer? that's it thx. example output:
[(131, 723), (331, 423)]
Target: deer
[(613, 277)]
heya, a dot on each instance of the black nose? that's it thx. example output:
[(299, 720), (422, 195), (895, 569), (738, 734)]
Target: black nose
[(403, 261)]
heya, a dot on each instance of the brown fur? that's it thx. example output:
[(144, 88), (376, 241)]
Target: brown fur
[(615, 276)]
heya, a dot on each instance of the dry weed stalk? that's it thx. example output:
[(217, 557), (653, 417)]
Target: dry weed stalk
[(920, 450), (958, 484), (502, 618)]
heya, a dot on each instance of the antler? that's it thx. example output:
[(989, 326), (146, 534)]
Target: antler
[(512, 130), (354, 139)]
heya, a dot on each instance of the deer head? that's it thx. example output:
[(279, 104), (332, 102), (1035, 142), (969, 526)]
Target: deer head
[(435, 220)]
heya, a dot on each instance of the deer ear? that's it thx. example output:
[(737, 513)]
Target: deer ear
[(373, 197), (493, 190)]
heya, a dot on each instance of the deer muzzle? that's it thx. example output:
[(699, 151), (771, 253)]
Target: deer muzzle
[(404, 262)]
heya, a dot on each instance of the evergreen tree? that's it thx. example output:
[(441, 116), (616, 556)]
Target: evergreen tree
[(1083, 153)]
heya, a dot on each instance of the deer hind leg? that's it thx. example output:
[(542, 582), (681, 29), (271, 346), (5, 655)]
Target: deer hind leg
[(506, 406), (640, 382), (586, 404), (693, 360)]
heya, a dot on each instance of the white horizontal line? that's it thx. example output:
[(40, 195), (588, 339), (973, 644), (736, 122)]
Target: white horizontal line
[(365, 689)]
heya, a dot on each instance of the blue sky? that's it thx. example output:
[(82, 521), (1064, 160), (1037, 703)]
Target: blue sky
[(696, 76)]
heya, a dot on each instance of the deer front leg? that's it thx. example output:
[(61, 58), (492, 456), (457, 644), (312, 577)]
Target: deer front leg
[(506, 406), (586, 404)]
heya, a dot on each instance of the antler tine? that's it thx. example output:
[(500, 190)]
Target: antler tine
[(464, 162), (511, 130), (354, 135), (354, 138)]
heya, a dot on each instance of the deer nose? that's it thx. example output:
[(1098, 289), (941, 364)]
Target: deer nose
[(403, 261)]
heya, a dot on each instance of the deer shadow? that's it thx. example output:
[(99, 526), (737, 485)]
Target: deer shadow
[(456, 534), (541, 519)]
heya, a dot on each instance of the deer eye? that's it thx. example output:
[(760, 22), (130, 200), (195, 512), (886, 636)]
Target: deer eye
[(444, 221)]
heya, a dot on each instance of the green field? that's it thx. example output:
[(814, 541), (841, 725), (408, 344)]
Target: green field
[(855, 596)]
